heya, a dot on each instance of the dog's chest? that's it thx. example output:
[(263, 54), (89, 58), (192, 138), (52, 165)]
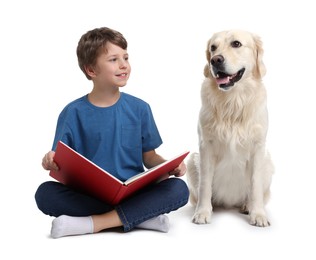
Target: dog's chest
[(231, 180), (232, 125), (237, 118), (236, 136)]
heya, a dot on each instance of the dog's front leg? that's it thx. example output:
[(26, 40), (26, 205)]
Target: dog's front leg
[(257, 205), (203, 211)]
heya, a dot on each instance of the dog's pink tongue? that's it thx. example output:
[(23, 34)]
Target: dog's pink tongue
[(220, 81)]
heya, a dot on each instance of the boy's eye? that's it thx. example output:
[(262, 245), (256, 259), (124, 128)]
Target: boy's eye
[(114, 59)]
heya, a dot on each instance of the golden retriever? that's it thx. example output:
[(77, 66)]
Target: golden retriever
[(233, 168)]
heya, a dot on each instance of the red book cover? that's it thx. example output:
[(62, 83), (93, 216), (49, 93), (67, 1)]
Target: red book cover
[(78, 172)]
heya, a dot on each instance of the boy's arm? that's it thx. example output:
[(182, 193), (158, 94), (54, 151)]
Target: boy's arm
[(151, 159)]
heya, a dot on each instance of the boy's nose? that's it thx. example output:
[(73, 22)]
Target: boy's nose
[(123, 63)]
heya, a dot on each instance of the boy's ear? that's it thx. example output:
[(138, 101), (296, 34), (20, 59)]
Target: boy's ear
[(90, 70)]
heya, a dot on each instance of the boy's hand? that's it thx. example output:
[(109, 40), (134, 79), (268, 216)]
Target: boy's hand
[(48, 161), (179, 171)]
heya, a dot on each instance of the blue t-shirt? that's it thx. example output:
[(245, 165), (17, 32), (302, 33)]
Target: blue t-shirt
[(113, 137)]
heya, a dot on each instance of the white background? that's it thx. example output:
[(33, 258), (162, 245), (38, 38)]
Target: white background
[(167, 41)]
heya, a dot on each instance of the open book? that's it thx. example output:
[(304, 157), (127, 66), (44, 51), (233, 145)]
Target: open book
[(78, 172)]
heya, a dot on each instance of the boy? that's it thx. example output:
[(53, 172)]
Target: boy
[(117, 132)]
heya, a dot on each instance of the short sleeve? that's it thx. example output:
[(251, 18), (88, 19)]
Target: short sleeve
[(151, 138)]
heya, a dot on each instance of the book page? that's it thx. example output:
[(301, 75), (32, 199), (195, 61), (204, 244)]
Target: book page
[(139, 175), (166, 166)]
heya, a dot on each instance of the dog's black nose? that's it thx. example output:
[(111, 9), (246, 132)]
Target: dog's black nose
[(217, 60)]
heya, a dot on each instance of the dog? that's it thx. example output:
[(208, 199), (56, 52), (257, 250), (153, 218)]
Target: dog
[(233, 168)]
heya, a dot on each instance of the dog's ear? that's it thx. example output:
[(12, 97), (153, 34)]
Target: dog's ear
[(207, 71), (208, 57), (207, 52), (260, 69)]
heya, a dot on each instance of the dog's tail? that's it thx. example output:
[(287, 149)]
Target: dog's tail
[(193, 165)]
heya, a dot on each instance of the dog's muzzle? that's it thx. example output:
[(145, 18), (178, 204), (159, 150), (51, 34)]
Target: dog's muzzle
[(224, 80)]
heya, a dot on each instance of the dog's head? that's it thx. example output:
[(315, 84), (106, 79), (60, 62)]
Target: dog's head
[(233, 56)]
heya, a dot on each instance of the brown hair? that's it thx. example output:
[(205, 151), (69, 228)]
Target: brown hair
[(92, 43)]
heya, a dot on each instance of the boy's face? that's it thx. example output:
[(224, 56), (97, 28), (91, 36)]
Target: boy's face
[(112, 68)]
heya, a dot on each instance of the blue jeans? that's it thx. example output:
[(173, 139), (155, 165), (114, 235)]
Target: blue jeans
[(55, 199)]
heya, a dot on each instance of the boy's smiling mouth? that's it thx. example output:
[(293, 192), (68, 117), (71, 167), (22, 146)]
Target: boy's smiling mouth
[(122, 75)]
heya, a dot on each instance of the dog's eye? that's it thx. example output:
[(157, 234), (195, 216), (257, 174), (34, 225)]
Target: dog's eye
[(236, 44), (213, 48)]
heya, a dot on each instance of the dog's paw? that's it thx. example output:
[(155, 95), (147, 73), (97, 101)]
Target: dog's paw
[(259, 220), (202, 217)]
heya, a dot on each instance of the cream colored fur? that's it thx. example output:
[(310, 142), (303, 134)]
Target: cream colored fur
[(233, 167)]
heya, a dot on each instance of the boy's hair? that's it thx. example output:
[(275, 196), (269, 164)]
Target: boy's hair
[(92, 43)]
